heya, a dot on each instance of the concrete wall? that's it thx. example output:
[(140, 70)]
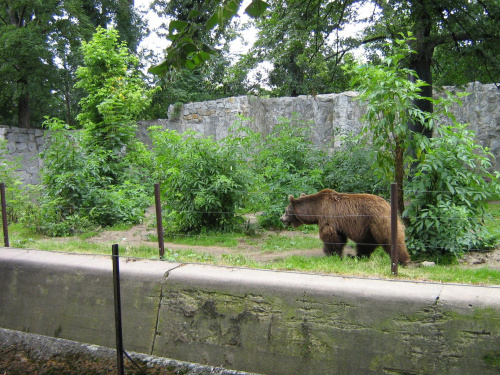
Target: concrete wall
[(253, 320)]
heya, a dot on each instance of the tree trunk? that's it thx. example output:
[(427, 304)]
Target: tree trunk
[(399, 155), (23, 105), (421, 59), (421, 64), (69, 120)]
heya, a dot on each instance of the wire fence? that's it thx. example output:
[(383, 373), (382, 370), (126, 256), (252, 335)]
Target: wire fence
[(159, 221)]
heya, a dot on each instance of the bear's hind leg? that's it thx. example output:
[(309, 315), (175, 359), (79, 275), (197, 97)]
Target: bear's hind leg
[(333, 243)]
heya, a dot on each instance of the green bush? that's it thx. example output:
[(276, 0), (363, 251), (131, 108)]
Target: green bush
[(13, 186), (97, 176), (288, 163), (77, 190), (448, 195), (122, 204), (204, 183), (350, 168)]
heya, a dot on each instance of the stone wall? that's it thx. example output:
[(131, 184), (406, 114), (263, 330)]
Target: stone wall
[(329, 114), (24, 145), (481, 110)]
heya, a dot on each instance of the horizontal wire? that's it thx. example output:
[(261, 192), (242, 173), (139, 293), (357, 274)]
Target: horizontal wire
[(387, 189), (478, 218), (481, 218)]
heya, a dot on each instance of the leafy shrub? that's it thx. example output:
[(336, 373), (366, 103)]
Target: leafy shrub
[(97, 176), (77, 192), (124, 203), (69, 173), (350, 168), (13, 186), (288, 163), (204, 184), (448, 195)]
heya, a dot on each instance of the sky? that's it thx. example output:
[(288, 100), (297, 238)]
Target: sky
[(237, 47), (158, 44), (152, 41)]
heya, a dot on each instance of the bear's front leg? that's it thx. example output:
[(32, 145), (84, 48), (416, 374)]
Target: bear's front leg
[(333, 241)]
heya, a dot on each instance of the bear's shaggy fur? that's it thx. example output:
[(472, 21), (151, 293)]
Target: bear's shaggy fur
[(363, 218)]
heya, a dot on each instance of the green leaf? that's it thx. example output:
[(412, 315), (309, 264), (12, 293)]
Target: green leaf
[(212, 21), (177, 25), (193, 14), (256, 8), (231, 8), (188, 48)]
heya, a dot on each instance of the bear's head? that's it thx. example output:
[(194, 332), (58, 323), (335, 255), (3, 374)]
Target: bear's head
[(289, 217)]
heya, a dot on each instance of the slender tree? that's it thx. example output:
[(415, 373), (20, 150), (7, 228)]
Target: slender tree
[(39, 53)]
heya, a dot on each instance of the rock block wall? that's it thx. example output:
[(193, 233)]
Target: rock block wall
[(481, 110), (24, 145), (329, 115)]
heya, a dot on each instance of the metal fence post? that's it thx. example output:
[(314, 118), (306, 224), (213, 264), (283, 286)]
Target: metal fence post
[(394, 229), (4, 215), (118, 309), (159, 223)]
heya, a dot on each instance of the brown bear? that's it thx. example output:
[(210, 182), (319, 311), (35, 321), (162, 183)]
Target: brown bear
[(363, 218)]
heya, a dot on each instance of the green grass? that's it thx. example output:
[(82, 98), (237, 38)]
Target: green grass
[(377, 266), (206, 239), (281, 243)]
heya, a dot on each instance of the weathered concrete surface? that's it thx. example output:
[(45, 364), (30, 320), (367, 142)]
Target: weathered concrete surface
[(71, 296), (253, 320), (22, 352)]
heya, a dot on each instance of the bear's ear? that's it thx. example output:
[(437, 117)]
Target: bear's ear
[(291, 199), (302, 194)]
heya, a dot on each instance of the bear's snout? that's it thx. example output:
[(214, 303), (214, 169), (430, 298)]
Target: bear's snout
[(283, 220), (286, 220)]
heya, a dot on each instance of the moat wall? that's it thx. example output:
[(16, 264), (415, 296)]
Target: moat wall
[(258, 321)]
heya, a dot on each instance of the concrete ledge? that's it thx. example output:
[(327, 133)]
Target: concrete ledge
[(24, 353), (253, 320)]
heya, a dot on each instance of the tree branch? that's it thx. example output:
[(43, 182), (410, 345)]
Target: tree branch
[(375, 39), (443, 39)]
